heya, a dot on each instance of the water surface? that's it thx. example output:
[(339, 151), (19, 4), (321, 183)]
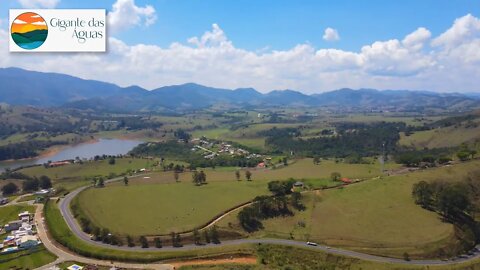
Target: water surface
[(84, 150)]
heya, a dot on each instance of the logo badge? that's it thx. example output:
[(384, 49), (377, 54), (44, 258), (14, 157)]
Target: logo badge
[(29, 30)]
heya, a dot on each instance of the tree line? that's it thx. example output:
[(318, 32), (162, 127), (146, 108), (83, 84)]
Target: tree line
[(265, 207)]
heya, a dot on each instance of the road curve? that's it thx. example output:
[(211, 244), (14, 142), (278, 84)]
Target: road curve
[(76, 229)]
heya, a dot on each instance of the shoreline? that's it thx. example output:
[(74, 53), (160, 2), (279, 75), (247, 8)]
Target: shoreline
[(51, 151)]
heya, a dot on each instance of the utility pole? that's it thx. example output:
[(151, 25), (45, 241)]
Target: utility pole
[(383, 157)]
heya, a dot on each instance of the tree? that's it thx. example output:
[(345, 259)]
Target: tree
[(214, 235), (453, 201), (237, 175), (176, 176), (158, 242), (335, 176), (143, 241), (248, 175), (281, 188), (111, 161), (206, 235), (125, 180), (45, 182), (473, 153), (178, 240), (296, 201), (31, 185), (199, 178), (203, 177), (248, 219), (316, 160), (130, 242), (285, 161), (423, 193), (100, 182), (463, 155), (196, 237), (174, 239), (9, 189)]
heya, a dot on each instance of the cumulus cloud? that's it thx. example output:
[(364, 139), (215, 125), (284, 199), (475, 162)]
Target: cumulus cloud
[(416, 61), (39, 3), (331, 34), (214, 38), (464, 29), (416, 40), (126, 14)]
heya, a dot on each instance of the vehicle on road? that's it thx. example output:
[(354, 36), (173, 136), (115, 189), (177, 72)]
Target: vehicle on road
[(312, 244)]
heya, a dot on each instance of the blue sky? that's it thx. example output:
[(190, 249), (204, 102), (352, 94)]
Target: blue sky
[(306, 45), (281, 24)]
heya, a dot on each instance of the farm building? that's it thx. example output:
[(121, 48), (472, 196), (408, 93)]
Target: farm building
[(346, 180)]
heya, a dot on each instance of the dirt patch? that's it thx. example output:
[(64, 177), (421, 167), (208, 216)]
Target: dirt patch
[(234, 260)]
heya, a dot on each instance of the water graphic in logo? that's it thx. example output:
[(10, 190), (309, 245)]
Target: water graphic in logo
[(29, 30)]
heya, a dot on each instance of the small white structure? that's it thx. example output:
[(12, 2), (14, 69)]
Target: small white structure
[(75, 267), (24, 215)]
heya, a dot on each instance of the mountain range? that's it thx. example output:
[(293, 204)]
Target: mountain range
[(22, 87)]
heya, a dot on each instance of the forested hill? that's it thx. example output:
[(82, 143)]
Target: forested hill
[(22, 87)]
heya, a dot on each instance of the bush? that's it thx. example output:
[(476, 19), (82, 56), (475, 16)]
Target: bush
[(9, 189)]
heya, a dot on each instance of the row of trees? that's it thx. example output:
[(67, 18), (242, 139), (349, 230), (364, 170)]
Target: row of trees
[(29, 185), (452, 200), (248, 175), (351, 139)]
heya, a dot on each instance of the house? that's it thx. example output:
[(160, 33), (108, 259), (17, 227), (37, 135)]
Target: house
[(58, 163), (13, 225), (24, 216), (261, 165), (27, 241), (346, 180), (9, 241)]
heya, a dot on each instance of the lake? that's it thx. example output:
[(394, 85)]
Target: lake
[(84, 150)]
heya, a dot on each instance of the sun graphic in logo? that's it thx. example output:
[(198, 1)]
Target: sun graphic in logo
[(29, 30)]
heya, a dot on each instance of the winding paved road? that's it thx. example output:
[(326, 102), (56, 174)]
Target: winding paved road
[(75, 227)]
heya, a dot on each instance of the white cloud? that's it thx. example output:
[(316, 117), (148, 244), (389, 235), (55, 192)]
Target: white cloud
[(39, 3), (416, 40), (18, 21), (409, 62), (39, 23), (463, 29), (331, 34), (213, 38), (126, 14)]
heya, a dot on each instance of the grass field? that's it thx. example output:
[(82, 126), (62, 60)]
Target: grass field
[(165, 207), (62, 234), (300, 169), (377, 216), (441, 137), (281, 257), (169, 206), (10, 213), (69, 175), (30, 259)]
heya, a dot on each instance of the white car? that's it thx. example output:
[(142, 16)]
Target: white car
[(312, 244)]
